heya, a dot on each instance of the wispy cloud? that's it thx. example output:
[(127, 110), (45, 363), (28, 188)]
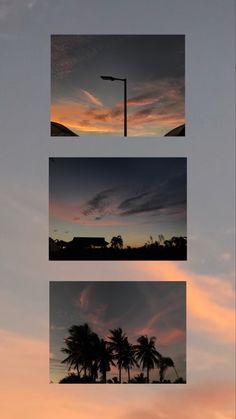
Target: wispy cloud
[(203, 299), (166, 336), (99, 202), (93, 312), (113, 204), (129, 201), (91, 98)]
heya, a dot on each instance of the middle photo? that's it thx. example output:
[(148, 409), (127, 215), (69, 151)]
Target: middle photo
[(117, 208)]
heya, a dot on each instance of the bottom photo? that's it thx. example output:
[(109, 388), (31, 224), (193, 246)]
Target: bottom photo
[(106, 332)]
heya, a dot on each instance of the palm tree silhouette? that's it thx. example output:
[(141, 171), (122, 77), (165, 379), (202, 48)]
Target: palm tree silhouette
[(128, 357), (147, 354), (80, 347), (139, 378), (105, 356), (116, 343), (164, 364), (73, 357), (89, 355)]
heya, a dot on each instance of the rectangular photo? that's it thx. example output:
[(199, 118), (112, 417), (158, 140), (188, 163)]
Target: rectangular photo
[(117, 208), (118, 85), (118, 332)]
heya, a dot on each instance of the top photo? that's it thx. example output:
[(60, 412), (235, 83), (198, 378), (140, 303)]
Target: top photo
[(118, 85)]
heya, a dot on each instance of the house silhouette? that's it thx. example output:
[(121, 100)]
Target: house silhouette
[(88, 242)]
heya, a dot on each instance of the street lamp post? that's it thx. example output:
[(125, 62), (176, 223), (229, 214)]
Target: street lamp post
[(125, 99)]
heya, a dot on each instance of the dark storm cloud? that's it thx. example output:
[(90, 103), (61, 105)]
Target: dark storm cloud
[(129, 201), (99, 202), (147, 207), (171, 200), (171, 193)]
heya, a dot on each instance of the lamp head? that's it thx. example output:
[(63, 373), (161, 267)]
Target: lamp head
[(108, 78)]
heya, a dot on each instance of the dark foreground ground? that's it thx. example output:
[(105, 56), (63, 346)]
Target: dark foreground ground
[(119, 254)]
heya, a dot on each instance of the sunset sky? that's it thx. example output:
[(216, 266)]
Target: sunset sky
[(133, 197), (154, 66), (139, 308), (26, 27)]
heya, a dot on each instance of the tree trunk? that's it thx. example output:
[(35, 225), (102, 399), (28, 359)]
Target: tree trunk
[(120, 374), (128, 375), (161, 376), (104, 377), (177, 375), (147, 375)]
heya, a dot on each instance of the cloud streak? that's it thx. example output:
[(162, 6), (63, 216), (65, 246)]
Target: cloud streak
[(91, 98), (110, 203), (210, 308)]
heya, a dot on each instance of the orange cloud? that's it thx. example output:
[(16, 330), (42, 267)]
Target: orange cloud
[(157, 107), (209, 400), (209, 300), (25, 392), (84, 119)]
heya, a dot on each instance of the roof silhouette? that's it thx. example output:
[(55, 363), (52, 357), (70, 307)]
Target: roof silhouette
[(177, 132), (89, 241), (59, 130)]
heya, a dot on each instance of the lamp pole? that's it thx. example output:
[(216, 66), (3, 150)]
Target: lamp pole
[(125, 107), (110, 78)]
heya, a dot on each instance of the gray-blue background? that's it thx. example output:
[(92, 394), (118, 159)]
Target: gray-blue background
[(209, 146)]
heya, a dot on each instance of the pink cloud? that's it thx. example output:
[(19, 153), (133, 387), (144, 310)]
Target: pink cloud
[(164, 337), (25, 392), (64, 211), (73, 213), (84, 298), (209, 299), (94, 312), (208, 400), (168, 337)]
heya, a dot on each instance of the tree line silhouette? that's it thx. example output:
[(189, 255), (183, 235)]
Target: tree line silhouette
[(174, 248), (88, 355)]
